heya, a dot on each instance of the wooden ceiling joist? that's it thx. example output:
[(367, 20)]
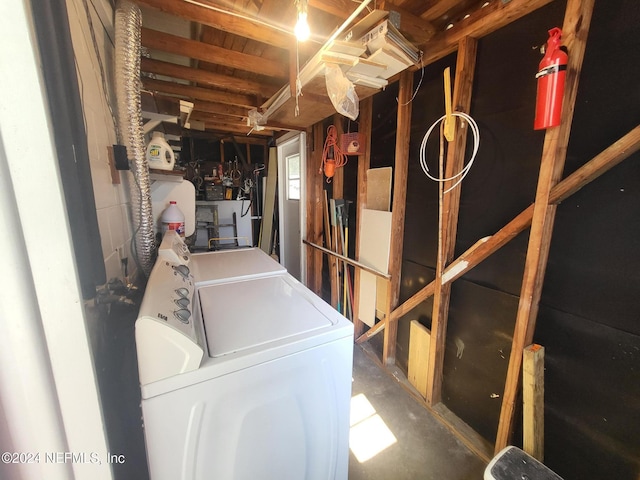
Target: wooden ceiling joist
[(196, 75), (234, 128), (199, 93), (219, 108), (165, 42), (222, 21), (479, 24), (216, 117), (416, 29)]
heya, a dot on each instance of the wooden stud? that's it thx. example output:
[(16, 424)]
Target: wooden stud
[(465, 69), (364, 162), (403, 132), (575, 29), (533, 401), (314, 208), (338, 177)]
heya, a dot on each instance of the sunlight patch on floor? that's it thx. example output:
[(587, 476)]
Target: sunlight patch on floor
[(369, 434)]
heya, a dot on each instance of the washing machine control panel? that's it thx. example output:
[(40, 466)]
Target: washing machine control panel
[(167, 339), (169, 297), (174, 249)]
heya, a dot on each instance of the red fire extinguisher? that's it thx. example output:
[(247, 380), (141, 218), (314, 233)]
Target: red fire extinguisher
[(551, 76)]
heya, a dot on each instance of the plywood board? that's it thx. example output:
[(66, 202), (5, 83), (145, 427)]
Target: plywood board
[(367, 312), (419, 341), (266, 234), (374, 244), (379, 188)]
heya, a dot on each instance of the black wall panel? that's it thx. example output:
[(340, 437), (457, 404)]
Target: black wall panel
[(589, 320)]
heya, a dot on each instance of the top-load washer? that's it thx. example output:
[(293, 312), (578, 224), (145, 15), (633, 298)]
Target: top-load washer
[(230, 265), (245, 376)]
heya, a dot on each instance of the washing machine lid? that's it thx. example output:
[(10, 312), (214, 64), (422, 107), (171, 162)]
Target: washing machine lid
[(231, 265), (244, 315)]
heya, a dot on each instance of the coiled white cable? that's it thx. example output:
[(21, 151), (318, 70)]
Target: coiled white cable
[(463, 172)]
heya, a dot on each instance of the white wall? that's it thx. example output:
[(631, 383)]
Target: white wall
[(112, 200), (48, 388)]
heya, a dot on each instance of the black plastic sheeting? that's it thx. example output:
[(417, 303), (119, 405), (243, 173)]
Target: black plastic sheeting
[(590, 310)]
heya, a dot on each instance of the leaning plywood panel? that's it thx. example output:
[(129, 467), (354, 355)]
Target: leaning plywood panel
[(379, 188), (374, 244)]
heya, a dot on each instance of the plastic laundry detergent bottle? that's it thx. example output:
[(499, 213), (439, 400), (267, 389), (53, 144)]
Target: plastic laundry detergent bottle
[(159, 153), (172, 218)]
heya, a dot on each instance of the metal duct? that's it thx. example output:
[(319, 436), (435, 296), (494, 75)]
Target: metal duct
[(127, 66)]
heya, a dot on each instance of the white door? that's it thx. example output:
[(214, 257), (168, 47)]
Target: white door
[(291, 172)]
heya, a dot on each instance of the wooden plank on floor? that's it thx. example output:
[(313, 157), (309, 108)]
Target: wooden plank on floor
[(419, 339), (533, 401), (575, 29), (403, 134), (450, 206)]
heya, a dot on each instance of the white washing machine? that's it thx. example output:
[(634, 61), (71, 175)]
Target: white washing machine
[(243, 376)]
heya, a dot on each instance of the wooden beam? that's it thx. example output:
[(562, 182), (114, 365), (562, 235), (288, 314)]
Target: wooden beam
[(479, 24), (198, 93), (364, 162), (219, 108), (196, 75), (313, 192), (465, 69), (222, 21), (438, 9), (338, 177), (601, 163), (485, 247), (217, 117), (401, 167), (225, 128), (418, 30), (165, 42), (533, 401), (575, 30)]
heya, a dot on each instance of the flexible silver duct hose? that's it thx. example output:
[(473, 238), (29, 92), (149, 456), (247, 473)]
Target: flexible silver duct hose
[(127, 72)]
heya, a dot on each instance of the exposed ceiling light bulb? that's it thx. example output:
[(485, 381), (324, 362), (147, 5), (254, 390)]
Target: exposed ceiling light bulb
[(302, 30)]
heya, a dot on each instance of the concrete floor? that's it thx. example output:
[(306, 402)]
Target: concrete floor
[(423, 449)]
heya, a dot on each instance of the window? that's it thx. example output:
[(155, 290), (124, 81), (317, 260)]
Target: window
[(293, 176)]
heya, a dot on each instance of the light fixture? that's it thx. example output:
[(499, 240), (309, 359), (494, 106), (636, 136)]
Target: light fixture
[(301, 29)]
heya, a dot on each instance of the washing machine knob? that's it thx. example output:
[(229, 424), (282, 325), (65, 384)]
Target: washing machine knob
[(182, 292), (183, 315), (182, 270), (182, 302)]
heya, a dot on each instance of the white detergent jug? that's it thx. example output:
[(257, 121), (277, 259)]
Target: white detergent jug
[(172, 218), (159, 153)]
